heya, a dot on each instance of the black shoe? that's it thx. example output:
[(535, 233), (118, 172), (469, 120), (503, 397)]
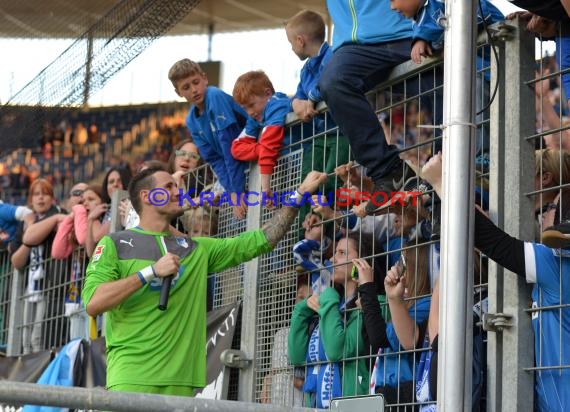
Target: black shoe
[(416, 184), (557, 236), (412, 184), (381, 196)]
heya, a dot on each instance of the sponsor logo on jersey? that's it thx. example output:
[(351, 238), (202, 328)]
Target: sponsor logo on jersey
[(156, 283), (98, 252)]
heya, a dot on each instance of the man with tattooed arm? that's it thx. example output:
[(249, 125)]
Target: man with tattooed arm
[(164, 352)]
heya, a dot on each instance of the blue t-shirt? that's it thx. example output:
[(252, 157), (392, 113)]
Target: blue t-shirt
[(394, 369), (308, 89), (563, 57), (544, 267)]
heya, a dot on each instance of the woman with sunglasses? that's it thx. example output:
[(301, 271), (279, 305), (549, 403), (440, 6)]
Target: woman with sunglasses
[(326, 329), (71, 234), (187, 167), (407, 287)]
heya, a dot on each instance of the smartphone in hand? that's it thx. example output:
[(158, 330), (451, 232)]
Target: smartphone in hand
[(354, 273)]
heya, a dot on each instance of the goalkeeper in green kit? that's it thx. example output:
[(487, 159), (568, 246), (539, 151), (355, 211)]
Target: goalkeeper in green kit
[(164, 352)]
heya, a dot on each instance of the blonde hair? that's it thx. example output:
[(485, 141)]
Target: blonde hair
[(553, 161), (253, 83), (308, 23), (203, 214), (417, 273), (183, 69)]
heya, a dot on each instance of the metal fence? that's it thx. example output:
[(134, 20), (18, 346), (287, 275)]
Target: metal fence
[(408, 105)]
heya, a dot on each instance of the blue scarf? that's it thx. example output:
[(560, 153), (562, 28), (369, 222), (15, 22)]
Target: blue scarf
[(322, 381), (423, 391)]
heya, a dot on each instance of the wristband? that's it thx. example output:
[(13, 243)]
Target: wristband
[(294, 198), (146, 274)]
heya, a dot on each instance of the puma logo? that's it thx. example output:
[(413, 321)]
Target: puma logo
[(130, 242)]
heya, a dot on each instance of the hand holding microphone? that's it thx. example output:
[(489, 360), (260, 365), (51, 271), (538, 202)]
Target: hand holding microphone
[(166, 267)]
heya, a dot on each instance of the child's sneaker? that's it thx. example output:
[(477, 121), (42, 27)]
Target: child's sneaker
[(380, 198)]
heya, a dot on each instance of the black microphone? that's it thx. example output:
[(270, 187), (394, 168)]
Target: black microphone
[(164, 292)]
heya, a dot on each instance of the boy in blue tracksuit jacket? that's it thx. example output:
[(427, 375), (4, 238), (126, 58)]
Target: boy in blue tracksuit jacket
[(214, 121), (369, 40), (306, 33)]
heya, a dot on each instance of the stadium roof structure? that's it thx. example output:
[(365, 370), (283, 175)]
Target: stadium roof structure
[(71, 18)]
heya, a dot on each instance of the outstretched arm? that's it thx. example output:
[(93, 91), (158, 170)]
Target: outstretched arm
[(489, 239), (283, 218)]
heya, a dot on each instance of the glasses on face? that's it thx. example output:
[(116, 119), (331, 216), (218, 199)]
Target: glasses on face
[(403, 265), (184, 153), (76, 192)]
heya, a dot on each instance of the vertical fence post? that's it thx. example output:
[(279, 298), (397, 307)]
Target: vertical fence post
[(116, 199), (456, 279), (249, 304), (496, 212), (15, 320), (520, 113)]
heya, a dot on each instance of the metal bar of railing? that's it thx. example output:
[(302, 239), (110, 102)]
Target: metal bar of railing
[(101, 399)]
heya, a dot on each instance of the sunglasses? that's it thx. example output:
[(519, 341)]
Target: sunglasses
[(76, 192), (184, 153)]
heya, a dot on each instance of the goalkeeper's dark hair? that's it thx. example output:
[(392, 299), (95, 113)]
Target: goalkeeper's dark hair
[(142, 181)]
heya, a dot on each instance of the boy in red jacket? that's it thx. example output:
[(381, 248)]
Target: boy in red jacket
[(261, 140)]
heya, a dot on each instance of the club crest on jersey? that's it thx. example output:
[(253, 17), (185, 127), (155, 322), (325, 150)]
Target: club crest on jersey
[(98, 252), (182, 242), (156, 283)]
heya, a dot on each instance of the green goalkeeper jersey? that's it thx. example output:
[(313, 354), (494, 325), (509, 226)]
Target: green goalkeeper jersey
[(146, 346)]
